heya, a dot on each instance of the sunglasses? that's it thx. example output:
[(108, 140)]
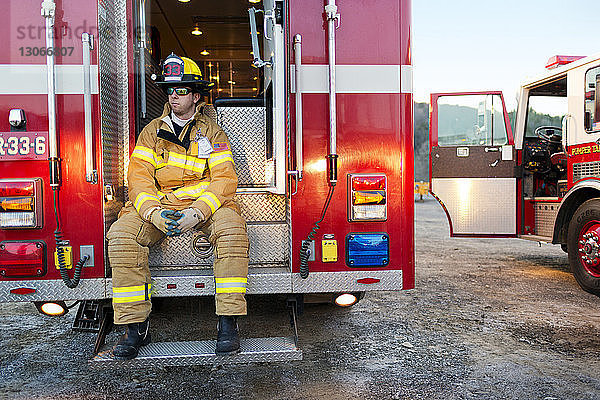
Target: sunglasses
[(180, 91)]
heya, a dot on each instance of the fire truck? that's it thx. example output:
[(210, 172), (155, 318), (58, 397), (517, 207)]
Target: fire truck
[(539, 182), (316, 100)]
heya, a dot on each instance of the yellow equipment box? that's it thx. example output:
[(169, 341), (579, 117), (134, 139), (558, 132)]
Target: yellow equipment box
[(329, 250)]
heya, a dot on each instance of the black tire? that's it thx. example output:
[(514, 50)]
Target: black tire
[(585, 220)]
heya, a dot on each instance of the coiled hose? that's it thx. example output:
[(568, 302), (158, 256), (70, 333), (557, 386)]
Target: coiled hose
[(60, 251), (304, 256)]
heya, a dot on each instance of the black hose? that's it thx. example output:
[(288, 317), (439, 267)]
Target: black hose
[(60, 251), (306, 243)]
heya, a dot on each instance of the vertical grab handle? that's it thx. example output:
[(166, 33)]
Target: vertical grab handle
[(298, 82), (142, 60), (257, 62), (48, 12), (333, 19), (91, 175), (565, 128)]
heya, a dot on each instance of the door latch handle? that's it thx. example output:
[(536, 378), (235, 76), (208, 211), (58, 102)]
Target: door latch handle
[(494, 163), (488, 149)]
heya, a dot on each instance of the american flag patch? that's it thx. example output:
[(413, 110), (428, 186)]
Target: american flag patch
[(220, 146)]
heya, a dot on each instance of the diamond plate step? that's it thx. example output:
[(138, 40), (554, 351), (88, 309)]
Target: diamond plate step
[(203, 353)]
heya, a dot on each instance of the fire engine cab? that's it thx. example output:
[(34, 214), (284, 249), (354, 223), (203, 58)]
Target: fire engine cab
[(315, 97), (541, 183)]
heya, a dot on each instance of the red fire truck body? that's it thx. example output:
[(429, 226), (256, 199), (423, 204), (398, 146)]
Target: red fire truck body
[(542, 183), (286, 161)]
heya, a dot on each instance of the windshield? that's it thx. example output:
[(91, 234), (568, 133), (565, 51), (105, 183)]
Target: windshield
[(544, 111)]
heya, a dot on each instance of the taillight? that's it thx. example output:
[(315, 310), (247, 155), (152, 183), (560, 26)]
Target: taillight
[(367, 197), (20, 203), (16, 188), (22, 258), (368, 182)]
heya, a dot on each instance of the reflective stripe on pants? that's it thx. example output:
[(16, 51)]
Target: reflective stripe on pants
[(131, 294)]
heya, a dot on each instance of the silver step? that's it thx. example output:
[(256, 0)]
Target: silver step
[(270, 349)]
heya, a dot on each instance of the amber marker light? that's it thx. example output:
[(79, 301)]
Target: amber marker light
[(17, 204), (196, 31), (204, 53), (374, 197)]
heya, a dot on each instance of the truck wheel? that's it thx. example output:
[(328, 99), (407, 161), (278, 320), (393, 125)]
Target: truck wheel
[(584, 246)]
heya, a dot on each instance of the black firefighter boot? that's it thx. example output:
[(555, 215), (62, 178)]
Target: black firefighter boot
[(136, 336), (228, 340)]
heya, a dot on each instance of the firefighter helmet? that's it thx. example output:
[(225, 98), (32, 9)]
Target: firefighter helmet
[(182, 71)]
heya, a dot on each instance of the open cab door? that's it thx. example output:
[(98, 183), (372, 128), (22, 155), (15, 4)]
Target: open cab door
[(472, 163)]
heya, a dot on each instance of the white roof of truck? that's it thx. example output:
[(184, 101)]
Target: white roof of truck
[(560, 71)]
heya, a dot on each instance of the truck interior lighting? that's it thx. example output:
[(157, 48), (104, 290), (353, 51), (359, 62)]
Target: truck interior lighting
[(345, 300)]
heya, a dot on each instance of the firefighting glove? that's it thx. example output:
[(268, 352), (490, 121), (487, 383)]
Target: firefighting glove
[(165, 220), (189, 219)]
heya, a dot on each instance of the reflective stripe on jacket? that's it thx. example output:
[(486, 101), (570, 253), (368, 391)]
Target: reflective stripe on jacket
[(175, 172)]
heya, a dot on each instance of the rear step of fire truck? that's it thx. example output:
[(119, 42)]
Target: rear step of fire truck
[(166, 354)]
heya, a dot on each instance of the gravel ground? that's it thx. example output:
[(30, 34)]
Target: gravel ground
[(489, 319)]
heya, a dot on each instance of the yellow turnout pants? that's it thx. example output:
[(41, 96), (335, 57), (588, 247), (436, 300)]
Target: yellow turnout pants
[(128, 241)]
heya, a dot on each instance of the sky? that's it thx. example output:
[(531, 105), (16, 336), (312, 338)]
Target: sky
[(474, 45)]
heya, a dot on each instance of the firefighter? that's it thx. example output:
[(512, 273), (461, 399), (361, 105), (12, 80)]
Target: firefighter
[(181, 177)]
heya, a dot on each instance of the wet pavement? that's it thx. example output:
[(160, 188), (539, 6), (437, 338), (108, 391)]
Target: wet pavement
[(489, 319)]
